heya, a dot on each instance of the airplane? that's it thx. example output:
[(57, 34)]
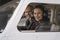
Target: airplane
[(12, 33)]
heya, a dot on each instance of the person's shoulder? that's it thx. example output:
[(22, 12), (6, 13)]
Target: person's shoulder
[(45, 23)]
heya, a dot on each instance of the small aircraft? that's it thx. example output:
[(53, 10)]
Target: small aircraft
[(12, 33)]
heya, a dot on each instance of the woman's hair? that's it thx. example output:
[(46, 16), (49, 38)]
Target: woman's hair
[(40, 7), (45, 12), (31, 7)]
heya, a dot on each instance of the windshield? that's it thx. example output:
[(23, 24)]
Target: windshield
[(40, 17)]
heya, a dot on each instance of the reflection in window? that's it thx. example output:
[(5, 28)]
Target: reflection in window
[(5, 14)]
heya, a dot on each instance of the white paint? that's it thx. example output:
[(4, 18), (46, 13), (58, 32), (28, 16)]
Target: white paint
[(11, 32)]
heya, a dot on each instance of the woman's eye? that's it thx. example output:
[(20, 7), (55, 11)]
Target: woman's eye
[(34, 13), (39, 13)]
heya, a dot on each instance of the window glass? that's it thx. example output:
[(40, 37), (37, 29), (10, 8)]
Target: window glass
[(58, 18), (36, 18)]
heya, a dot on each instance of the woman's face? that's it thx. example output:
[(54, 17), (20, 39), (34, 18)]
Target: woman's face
[(28, 12), (38, 14)]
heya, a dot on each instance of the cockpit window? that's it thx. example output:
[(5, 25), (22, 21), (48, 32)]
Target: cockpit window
[(36, 18)]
